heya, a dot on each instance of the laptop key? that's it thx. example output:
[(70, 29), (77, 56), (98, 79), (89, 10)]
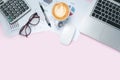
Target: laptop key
[(113, 24), (1, 2), (117, 1), (98, 12)]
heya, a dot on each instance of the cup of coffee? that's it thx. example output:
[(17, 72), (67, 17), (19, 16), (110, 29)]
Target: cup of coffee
[(60, 11)]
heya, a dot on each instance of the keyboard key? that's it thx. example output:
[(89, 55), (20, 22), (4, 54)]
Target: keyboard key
[(113, 24), (117, 1), (93, 14), (98, 12), (1, 2)]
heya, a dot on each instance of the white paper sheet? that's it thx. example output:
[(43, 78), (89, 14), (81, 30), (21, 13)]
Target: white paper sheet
[(81, 6)]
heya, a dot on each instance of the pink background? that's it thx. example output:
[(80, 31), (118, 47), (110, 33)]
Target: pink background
[(42, 57)]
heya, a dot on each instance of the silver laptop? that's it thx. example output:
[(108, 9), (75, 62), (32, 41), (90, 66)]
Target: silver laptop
[(102, 22)]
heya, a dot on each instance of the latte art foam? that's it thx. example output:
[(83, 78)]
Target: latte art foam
[(60, 11)]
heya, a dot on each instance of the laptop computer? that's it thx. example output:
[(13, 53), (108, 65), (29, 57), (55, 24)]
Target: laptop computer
[(102, 22)]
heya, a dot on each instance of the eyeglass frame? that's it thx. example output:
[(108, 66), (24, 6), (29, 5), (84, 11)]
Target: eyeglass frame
[(27, 25)]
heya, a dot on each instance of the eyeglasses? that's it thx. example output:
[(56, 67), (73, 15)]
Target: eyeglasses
[(33, 21)]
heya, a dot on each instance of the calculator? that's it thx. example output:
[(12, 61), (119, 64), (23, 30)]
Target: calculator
[(13, 10)]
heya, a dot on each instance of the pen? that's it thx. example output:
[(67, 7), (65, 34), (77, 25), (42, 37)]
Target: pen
[(46, 18)]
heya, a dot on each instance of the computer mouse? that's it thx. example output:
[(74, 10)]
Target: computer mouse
[(67, 34)]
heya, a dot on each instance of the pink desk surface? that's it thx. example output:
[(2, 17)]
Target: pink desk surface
[(42, 57)]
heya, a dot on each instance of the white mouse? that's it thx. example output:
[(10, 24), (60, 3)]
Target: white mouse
[(67, 34)]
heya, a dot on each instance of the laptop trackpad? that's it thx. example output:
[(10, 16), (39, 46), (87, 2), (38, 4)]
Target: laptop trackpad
[(111, 36)]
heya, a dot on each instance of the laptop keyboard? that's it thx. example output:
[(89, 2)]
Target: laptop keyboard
[(108, 12), (14, 9)]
